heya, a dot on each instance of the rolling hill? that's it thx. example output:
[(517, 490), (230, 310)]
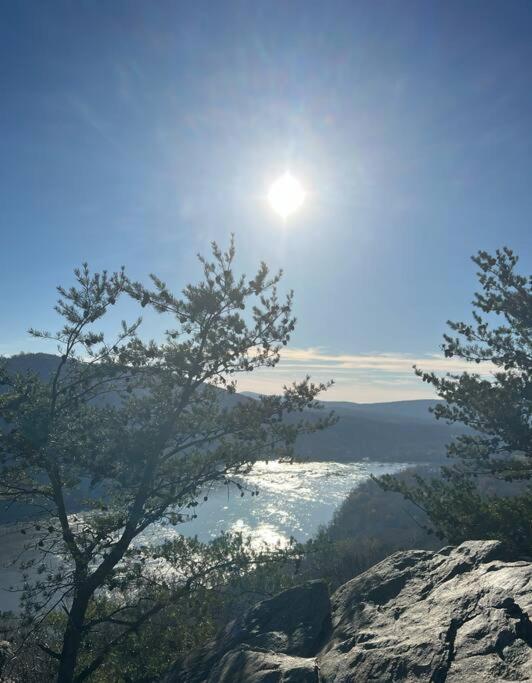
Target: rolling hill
[(394, 431)]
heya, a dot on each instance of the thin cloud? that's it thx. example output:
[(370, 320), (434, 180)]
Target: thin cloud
[(364, 378), (385, 362)]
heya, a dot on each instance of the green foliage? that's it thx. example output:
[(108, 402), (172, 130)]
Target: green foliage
[(148, 653), (462, 503), (142, 430)]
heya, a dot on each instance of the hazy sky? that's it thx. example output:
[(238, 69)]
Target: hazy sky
[(136, 132)]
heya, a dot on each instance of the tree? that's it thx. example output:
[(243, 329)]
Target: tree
[(486, 493), (141, 431)]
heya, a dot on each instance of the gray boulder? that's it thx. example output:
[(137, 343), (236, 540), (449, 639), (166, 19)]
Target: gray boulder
[(244, 665), (456, 615), (294, 622), (453, 616)]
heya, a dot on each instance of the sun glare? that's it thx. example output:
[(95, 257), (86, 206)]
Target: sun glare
[(286, 195)]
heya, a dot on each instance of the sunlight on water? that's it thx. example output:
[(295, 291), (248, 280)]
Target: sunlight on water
[(294, 500)]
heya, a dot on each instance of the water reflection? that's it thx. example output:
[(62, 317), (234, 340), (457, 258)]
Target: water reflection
[(294, 500)]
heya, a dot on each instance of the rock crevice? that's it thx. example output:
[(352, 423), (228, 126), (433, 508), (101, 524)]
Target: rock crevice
[(461, 614)]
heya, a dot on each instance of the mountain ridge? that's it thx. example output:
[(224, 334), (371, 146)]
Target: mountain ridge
[(402, 431)]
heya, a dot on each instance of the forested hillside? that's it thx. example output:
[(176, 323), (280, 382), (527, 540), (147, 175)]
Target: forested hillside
[(395, 431)]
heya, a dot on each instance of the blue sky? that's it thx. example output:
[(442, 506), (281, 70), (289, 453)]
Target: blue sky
[(136, 132)]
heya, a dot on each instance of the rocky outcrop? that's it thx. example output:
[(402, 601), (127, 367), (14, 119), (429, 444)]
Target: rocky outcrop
[(453, 616), (281, 634), (459, 614)]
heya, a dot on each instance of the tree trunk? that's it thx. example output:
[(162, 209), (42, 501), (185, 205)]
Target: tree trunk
[(72, 637)]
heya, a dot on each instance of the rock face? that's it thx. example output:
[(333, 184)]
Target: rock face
[(459, 615), (273, 641)]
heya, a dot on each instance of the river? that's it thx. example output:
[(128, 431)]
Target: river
[(293, 501)]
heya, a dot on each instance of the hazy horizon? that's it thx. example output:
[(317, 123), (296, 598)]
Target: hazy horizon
[(294, 362)]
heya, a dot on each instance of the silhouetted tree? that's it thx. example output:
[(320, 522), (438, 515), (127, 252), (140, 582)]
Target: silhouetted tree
[(143, 430), (471, 499)]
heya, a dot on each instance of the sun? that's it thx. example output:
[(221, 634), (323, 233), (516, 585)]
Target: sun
[(286, 195)]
